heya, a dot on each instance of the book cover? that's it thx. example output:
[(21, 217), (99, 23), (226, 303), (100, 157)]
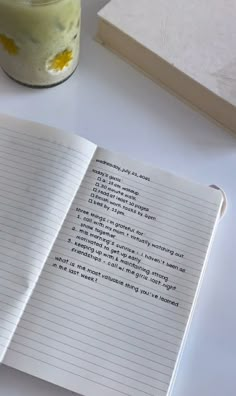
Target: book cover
[(187, 46)]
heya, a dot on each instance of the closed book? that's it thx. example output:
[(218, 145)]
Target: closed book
[(188, 46)]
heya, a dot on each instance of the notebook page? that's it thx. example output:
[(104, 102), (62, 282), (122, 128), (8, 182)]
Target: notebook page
[(109, 311), (40, 172)]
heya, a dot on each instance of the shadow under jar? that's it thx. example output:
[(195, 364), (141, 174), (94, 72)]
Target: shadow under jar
[(39, 40)]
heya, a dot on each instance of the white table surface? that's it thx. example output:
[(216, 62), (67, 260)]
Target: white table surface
[(115, 106)]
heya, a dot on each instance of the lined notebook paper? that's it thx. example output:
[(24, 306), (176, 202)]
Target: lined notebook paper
[(101, 260)]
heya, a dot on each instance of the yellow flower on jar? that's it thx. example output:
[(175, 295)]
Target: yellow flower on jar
[(9, 44), (61, 60)]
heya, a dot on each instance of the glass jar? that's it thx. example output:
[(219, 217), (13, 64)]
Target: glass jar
[(39, 40)]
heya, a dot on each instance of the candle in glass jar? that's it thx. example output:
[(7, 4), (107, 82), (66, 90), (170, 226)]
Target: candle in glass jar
[(39, 40)]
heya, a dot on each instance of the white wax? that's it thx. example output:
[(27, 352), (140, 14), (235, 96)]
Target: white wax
[(39, 40)]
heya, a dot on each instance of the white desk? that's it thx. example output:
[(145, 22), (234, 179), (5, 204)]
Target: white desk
[(115, 106)]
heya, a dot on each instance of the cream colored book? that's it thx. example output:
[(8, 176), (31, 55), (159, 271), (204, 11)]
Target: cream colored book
[(189, 46), (101, 262)]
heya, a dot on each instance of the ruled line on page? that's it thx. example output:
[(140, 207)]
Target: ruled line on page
[(139, 284), (43, 176), (191, 213), (91, 354), (158, 265), (167, 218), (69, 354), (24, 199), (23, 232), (75, 331), (23, 254), (90, 207), (99, 316), (106, 326), (91, 371), (33, 193), (124, 317), (130, 297), (203, 226), (4, 204), (4, 328), (20, 244), (48, 143), (28, 163), (111, 328), (166, 196), (78, 375), (34, 200), (105, 294), (153, 182), (170, 239), (33, 143), (168, 225), (36, 184), (155, 329), (48, 329), (171, 276), (53, 322), (44, 160), (146, 251), (86, 350), (133, 281), (54, 329), (69, 328), (50, 234), (82, 359), (14, 273)]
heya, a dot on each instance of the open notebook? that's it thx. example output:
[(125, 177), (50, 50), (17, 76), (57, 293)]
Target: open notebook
[(101, 259)]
